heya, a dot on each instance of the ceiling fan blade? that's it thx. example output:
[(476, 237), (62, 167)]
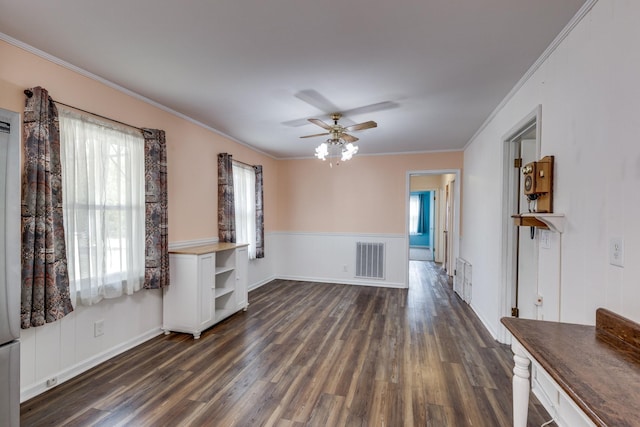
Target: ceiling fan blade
[(320, 123), (366, 125), (379, 106), (314, 99), (348, 138), (317, 134), (296, 123)]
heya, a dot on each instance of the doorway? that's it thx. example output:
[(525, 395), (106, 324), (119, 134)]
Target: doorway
[(440, 228), (521, 145), (422, 207)]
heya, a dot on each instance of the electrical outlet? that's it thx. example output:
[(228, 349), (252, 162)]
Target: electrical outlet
[(98, 328), (616, 251)]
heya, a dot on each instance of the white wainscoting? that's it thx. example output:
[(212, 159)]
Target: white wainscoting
[(331, 257), (68, 347), (321, 257)]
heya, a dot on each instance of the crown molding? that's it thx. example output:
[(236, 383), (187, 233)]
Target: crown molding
[(85, 73), (577, 18)]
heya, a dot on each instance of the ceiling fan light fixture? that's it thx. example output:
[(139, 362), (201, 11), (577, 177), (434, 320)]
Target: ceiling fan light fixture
[(322, 151), (332, 148), (339, 142), (348, 150)]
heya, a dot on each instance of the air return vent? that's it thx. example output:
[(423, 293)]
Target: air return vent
[(370, 260), (462, 279)]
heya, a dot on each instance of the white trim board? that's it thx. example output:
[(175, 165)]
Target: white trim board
[(181, 244), (584, 10)]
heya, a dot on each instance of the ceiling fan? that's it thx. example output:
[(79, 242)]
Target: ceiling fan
[(337, 132), (315, 99)]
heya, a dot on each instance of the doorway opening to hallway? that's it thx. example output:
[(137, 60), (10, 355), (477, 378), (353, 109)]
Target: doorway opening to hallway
[(432, 218)]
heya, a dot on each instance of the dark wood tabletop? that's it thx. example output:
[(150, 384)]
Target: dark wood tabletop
[(597, 366)]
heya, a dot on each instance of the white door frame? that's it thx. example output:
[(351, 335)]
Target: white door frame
[(509, 197), (456, 211)]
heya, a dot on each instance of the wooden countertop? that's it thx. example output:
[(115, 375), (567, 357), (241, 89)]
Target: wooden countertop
[(206, 249), (597, 369)]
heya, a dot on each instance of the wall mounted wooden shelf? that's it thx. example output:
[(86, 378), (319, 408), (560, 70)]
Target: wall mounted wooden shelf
[(550, 221)]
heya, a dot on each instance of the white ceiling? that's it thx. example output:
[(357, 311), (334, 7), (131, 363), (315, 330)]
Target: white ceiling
[(252, 69)]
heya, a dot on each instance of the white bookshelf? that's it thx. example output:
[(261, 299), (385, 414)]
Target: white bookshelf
[(208, 284)]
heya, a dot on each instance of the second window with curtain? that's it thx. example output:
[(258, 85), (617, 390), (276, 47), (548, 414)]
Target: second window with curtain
[(244, 189)]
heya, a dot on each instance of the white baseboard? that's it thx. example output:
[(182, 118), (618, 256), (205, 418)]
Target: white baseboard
[(261, 283), (486, 324), (40, 387), (377, 284), (325, 280)]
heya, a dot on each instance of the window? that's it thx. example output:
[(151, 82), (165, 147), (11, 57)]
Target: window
[(244, 192), (414, 213), (103, 206)]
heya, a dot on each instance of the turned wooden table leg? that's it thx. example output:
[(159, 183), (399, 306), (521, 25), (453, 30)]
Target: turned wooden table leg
[(521, 386)]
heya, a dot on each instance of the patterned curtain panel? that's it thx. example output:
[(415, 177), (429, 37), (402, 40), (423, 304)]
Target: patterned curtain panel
[(226, 207), (156, 218), (259, 213), (45, 279)]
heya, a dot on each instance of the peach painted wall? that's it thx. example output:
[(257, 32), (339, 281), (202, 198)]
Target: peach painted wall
[(364, 195), (425, 182), (191, 149)]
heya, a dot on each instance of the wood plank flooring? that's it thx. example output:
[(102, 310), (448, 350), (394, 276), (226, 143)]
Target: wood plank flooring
[(307, 354)]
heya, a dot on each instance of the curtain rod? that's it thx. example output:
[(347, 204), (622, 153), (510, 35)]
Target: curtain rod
[(242, 163), (29, 94)]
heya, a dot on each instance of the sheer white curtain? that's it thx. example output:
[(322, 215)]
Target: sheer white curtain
[(103, 206), (414, 213), (244, 193)]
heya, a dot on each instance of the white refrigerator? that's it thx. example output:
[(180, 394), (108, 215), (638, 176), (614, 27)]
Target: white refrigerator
[(10, 274)]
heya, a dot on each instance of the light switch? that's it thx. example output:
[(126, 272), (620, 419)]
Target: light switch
[(545, 239), (616, 251)]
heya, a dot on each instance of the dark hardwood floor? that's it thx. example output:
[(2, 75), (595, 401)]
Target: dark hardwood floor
[(307, 354)]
